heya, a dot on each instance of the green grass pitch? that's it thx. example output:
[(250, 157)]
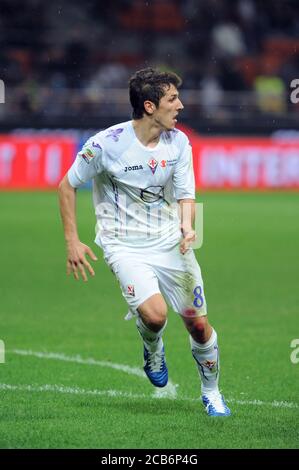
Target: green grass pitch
[(249, 260)]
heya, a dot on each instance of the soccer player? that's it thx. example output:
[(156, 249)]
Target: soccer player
[(142, 173)]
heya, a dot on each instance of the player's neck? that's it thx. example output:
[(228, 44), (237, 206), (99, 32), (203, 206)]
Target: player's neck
[(147, 132)]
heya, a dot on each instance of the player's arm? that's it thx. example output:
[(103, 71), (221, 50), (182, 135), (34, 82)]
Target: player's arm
[(187, 214), (184, 187), (86, 165), (76, 250)]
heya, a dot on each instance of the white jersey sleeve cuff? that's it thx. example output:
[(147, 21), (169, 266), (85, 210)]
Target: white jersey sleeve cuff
[(184, 195), (74, 180)]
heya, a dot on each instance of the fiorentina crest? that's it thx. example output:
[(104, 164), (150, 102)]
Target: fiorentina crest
[(152, 163), (131, 290)]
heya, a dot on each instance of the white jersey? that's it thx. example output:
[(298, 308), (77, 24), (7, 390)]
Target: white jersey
[(135, 188)]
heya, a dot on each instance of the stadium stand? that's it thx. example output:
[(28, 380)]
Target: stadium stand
[(62, 61)]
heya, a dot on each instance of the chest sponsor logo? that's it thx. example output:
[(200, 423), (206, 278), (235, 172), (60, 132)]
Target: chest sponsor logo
[(171, 162), (133, 168), (152, 163)]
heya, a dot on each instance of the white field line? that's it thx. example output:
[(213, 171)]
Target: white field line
[(273, 404), (119, 394), (170, 391), (79, 360), (69, 390)]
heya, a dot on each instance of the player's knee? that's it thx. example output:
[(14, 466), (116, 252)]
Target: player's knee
[(198, 326), (154, 313), (157, 320)]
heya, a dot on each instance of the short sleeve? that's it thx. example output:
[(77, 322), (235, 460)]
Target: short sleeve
[(183, 177), (88, 163)]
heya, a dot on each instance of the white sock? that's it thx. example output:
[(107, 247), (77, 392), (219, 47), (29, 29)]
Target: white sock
[(152, 339), (206, 356)]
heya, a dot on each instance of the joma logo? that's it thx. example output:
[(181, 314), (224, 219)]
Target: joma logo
[(134, 167)]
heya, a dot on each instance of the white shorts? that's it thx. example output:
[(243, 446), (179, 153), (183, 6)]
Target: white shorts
[(143, 273)]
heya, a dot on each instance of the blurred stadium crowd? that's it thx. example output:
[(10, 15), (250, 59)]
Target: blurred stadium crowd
[(73, 58)]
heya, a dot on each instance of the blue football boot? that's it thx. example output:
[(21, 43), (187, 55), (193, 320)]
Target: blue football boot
[(215, 404), (155, 367)]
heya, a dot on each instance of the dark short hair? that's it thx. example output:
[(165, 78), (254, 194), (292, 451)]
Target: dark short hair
[(149, 84)]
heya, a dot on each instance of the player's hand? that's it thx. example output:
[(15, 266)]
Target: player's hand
[(188, 237), (76, 260)]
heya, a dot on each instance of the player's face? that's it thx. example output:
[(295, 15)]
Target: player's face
[(169, 107)]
